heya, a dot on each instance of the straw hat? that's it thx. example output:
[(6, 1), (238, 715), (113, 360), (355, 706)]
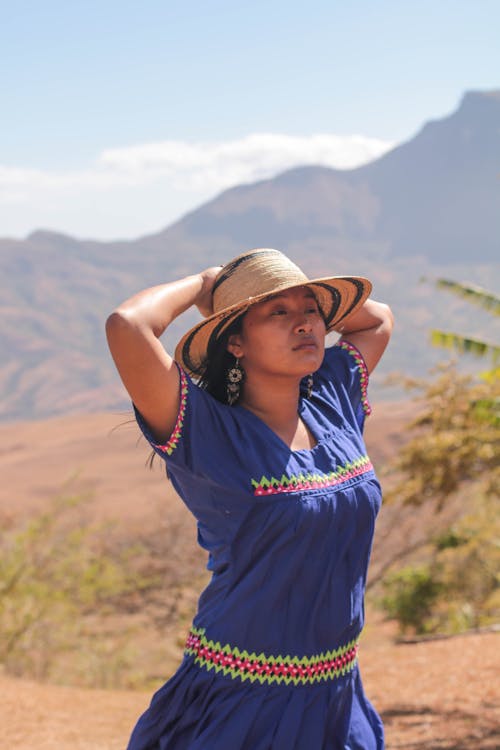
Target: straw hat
[(250, 278)]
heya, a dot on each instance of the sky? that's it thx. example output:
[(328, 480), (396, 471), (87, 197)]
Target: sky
[(119, 117)]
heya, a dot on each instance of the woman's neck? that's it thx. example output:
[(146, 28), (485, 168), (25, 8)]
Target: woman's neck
[(276, 404), (276, 399)]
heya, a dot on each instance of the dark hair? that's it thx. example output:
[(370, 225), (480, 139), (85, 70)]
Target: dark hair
[(212, 372)]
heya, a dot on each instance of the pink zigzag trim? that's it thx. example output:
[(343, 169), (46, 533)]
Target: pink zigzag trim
[(363, 373), (312, 481), (270, 669), (174, 438)]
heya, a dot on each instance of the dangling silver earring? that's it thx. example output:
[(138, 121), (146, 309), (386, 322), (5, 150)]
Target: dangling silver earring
[(234, 379), (309, 386)]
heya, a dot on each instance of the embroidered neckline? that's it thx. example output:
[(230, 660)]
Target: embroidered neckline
[(267, 669), (174, 438), (363, 373), (308, 481)]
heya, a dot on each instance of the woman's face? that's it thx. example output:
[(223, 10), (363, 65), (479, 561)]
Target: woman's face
[(284, 335)]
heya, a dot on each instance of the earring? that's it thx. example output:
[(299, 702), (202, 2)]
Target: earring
[(234, 379), (309, 386)]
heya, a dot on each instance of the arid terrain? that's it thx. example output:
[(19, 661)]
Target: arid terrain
[(105, 456), (436, 695), (442, 695)]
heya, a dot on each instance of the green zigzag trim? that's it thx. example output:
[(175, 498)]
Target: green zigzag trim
[(298, 481), (263, 659)]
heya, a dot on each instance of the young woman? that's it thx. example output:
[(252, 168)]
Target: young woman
[(266, 450)]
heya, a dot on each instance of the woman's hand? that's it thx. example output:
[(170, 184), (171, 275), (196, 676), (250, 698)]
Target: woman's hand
[(204, 301)]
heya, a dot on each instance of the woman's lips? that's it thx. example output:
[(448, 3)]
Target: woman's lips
[(307, 344)]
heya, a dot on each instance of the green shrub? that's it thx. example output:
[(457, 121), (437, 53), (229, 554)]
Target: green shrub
[(56, 572), (450, 464), (410, 595)]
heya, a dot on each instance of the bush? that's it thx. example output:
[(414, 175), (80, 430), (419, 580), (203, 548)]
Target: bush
[(450, 582), (55, 574), (410, 597)]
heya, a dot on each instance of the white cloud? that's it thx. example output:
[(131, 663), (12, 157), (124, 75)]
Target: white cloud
[(217, 165), (150, 177)]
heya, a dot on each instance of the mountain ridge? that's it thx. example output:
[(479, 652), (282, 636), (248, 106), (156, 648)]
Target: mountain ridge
[(429, 207)]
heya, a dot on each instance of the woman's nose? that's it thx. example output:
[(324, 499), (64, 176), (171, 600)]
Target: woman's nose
[(303, 324)]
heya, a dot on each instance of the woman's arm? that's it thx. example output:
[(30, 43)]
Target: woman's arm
[(369, 330), (148, 372)]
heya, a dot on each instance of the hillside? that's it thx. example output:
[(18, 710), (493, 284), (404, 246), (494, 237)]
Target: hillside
[(427, 208), (102, 459), (436, 196), (428, 699), (440, 695), (103, 456)]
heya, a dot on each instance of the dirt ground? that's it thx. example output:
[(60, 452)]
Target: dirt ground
[(103, 455), (440, 695)]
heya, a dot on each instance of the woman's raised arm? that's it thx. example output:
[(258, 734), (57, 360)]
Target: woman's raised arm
[(148, 372), (369, 330)]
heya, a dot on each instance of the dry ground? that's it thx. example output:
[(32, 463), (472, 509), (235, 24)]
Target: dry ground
[(440, 695), (102, 454)]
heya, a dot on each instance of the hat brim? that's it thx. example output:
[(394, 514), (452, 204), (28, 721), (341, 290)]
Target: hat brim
[(338, 297)]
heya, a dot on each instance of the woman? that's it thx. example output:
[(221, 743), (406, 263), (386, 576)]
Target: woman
[(267, 453)]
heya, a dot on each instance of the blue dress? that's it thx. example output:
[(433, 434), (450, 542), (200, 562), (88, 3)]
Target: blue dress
[(271, 659)]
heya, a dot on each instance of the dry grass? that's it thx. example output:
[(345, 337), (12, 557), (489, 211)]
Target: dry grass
[(441, 695)]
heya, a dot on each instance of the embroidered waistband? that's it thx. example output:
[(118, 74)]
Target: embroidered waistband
[(307, 670)]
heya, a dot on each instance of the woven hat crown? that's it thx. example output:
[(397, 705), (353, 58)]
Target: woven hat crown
[(253, 274)]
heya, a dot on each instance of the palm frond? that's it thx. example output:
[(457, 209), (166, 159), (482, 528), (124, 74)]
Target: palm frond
[(474, 294), (463, 344)]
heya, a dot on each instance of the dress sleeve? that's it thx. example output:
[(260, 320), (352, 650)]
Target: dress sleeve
[(195, 441), (198, 455), (346, 369)]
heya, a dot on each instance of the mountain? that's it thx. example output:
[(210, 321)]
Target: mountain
[(430, 206), (437, 195)]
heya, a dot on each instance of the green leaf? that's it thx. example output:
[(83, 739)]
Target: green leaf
[(463, 344), (490, 376), (472, 293)]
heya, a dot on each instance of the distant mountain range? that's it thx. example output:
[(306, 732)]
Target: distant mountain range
[(429, 207)]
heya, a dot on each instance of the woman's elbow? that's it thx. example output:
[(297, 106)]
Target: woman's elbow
[(383, 331), (119, 325), (386, 319)]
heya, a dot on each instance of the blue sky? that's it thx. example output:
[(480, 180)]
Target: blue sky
[(121, 116)]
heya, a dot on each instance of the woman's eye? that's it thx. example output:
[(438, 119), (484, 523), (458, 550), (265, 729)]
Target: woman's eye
[(312, 310), (279, 312)]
